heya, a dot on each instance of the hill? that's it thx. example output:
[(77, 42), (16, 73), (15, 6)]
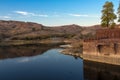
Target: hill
[(17, 30)]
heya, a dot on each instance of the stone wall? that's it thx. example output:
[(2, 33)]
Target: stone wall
[(104, 47), (89, 48), (104, 59), (107, 49), (108, 33), (101, 48), (106, 53), (118, 49)]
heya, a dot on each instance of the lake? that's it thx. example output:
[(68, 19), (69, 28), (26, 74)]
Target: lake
[(38, 63), (45, 62)]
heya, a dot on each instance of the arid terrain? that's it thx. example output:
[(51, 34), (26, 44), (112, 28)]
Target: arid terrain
[(17, 30)]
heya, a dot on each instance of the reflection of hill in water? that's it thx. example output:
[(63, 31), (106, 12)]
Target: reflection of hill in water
[(21, 51), (98, 71)]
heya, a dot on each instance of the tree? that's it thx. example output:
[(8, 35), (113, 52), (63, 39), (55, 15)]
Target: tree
[(118, 12), (108, 16)]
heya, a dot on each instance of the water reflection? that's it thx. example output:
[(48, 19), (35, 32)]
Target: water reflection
[(45, 62), (22, 51), (98, 71), (20, 63)]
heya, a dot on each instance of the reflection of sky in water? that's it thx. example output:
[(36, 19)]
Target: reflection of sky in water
[(50, 53), (51, 65)]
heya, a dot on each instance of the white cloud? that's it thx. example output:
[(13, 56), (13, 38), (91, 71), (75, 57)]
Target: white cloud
[(24, 13), (79, 15), (5, 17), (42, 15), (84, 15), (39, 15)]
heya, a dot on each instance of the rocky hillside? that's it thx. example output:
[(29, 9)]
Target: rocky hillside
[(13, 28), (17, 30)]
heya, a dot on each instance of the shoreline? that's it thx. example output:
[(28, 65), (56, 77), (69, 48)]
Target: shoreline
[(71, 53), (73, 48)]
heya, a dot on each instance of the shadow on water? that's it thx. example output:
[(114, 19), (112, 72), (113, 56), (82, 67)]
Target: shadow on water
[(25, 50), (99, 71)]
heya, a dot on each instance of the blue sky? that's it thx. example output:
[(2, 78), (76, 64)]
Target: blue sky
[(54, 12)]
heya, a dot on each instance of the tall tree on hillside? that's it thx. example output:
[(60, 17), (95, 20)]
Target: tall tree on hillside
[(108, 16), (118, 12)]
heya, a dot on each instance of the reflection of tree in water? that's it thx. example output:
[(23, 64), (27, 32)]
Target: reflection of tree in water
[(27, 50), (99, 71)]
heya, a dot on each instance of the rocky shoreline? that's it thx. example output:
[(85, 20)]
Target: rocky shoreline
[(73, 49), (66, 52)]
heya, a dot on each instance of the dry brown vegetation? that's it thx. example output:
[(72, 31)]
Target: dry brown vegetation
[(17, 30)]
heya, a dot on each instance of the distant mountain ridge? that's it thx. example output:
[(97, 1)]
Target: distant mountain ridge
[(13, 30)]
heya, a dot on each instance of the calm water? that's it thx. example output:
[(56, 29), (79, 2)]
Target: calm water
[(47, 63)]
